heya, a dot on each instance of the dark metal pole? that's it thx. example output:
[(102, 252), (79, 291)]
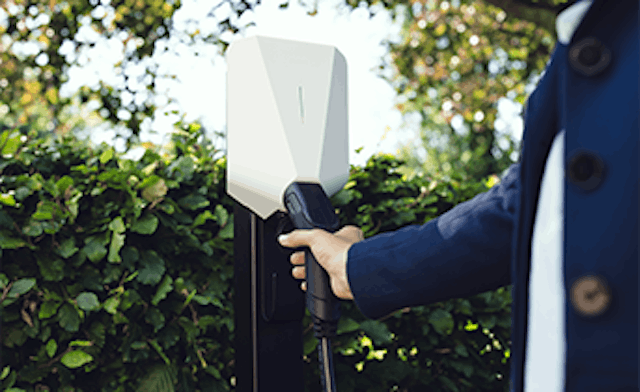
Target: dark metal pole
[(269, 306)]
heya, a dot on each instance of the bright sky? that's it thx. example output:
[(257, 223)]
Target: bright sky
[(199, 90)]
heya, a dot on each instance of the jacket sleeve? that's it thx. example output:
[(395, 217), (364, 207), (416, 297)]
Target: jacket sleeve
[(463, 252)]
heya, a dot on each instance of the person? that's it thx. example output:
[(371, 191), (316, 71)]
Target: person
[(562, 225)]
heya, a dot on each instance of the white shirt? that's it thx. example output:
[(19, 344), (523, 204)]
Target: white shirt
[(546, 343)]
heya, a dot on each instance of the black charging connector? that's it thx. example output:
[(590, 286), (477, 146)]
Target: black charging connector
[(310, 208)]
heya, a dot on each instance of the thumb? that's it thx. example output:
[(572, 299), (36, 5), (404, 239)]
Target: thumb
[(324, 246)]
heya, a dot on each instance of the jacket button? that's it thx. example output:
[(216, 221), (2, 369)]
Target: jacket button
[(590, 296), (585, 170), (589, 57)]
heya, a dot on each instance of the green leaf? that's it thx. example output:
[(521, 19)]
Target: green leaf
[(20, 287), (442, 321), (378, 331), (120, 318), (448, 383), (221, 215), (67, 248), (111, 304), (153, 268), (182, 168), (202, 218), (32, 228), (131, 277), (15, 337), (51, 348), (75, 359), (130, 255), (52, 227), (213, 371), (7, 199), (487, 321), (72, 205), (205, 321), (343, 197), (155, 318), (46, 211), (81, 343), (83, 169), (139, 345), (88, 301), (51, 270), (10, 146), (95, 247), (50, 187), (227, 231), (461, 350), (117, 225), (189, 297), (163, 289), (145, 225), (48, 309), (64, 183), (149, 181), (106, 156), (465, 368), (5, 220), (150, 168), (155, 191), (97, 333), (68, 318), (201, 300), (129, 298), (23, 192), (193, 202), (310, 343), (114, 250), (10, 243), (464, 307), (206, 248), (156, 346), (189, 328), (5, 372), (159, 379), (346, 325)]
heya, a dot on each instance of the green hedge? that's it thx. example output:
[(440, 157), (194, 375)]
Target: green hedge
[(117, 275)]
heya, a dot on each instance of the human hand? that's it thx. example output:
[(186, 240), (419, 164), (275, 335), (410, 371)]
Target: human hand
[(330, 252)]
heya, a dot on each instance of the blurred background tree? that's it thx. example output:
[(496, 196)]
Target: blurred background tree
[(456, 60), (456, 63), (41, 40)]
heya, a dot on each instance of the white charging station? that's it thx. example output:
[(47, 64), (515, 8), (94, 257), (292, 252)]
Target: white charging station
[(287, 129), (287, 120)]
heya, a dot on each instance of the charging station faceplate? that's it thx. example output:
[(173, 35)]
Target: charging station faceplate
[(287, 111)]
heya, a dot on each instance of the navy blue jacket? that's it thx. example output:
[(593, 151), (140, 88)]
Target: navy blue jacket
[(485, 243)]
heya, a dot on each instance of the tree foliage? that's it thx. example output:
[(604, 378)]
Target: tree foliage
[(455, 61), (42, 40)]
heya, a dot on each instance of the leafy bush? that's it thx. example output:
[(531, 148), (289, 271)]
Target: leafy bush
[(117, 276)]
